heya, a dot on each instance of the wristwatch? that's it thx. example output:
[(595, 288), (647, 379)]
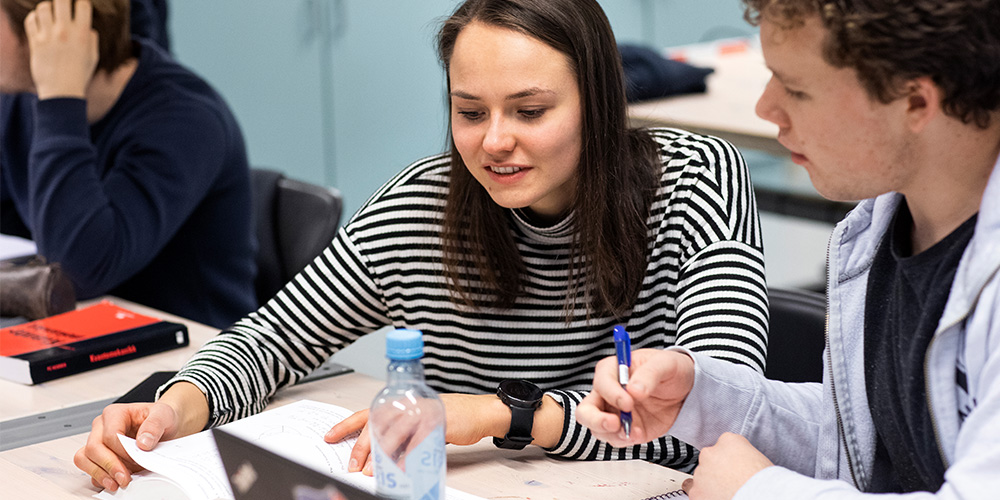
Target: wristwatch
[(523, 398)]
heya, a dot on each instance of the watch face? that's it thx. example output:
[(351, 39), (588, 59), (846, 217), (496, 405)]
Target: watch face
[(521, 391)]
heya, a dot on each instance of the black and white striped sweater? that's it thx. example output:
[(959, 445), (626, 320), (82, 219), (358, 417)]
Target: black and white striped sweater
[(704, 289)]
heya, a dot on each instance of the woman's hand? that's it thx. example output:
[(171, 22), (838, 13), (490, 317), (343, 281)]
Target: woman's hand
[(659, 382), (469, 419), (104, 458), (361, 453)]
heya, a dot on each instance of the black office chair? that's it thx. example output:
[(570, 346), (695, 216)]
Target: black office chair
[(797, 335), (295, 222)]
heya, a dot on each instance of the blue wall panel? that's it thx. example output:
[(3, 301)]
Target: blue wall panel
[(347, 92)]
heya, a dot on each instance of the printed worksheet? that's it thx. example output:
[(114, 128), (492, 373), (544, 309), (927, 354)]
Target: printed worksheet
[(190, 467)]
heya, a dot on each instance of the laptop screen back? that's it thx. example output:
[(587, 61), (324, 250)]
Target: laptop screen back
[(255, 473)]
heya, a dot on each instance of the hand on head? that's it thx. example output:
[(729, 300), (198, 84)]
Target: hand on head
[(63, 47), (659, 381)]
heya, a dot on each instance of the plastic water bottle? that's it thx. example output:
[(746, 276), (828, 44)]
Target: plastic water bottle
[(406, 425)]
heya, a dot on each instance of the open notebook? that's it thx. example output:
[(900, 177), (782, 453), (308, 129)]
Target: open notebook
[(191, 468)]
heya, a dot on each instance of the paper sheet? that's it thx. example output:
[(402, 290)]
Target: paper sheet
[(14, 246), (294, 431)]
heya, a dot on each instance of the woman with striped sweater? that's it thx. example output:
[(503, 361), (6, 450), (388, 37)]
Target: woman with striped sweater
[(549, 222)]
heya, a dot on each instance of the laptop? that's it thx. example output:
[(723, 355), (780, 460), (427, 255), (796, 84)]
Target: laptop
[(255, 473)]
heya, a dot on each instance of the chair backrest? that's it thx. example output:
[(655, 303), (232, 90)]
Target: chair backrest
[(797, 335), (295, 221)]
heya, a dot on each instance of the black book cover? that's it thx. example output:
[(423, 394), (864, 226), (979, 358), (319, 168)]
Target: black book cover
[(68, 359)]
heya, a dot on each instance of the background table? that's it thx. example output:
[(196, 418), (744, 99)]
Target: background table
[(726, 110)]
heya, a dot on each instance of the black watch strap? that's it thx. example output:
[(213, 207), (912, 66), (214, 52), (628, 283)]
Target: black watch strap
[(519, 434), (523, 398)]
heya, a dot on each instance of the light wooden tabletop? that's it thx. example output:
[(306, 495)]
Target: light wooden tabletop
[(108, 382), (725, 110), (46, 470)]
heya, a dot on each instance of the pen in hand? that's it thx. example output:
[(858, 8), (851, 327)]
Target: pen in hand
[(623, 349)]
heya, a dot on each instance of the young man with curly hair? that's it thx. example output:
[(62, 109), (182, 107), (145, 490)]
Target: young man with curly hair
[(898, 104)]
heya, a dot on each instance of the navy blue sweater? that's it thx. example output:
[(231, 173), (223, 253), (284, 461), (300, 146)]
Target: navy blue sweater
[(151, 203), (148, 19)]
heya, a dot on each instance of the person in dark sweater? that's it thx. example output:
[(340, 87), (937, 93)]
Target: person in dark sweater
[(121, 165), (149, 20)]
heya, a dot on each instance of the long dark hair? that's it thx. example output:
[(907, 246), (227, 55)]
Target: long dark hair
[(617, 175)]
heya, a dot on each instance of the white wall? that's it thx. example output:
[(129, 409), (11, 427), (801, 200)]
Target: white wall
[(794, 251), (366, 355)]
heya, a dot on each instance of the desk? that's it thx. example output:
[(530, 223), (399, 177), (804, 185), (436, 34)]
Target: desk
[(46, 470), (103, 383), (66, 406), (725, 110)]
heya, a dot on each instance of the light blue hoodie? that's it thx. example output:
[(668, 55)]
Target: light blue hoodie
[(821, 436)]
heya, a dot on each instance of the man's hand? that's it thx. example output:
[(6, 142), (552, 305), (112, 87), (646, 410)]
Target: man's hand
[(659, 382), (724, 468), (63, 47)]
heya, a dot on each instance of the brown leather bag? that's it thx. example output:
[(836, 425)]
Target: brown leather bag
[(34, 288)]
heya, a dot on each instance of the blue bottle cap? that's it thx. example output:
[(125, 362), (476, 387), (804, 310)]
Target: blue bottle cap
[(403, 344)]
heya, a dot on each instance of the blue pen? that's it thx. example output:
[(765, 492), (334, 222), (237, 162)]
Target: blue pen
[(623, 349)]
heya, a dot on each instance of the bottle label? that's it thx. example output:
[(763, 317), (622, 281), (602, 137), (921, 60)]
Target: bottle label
[(425, 470), (425, 465), (390, 482)]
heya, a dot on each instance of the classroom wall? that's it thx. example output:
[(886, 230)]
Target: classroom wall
[(347, 92)]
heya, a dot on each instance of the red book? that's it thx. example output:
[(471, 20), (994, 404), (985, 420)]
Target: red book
[(81, 340)]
